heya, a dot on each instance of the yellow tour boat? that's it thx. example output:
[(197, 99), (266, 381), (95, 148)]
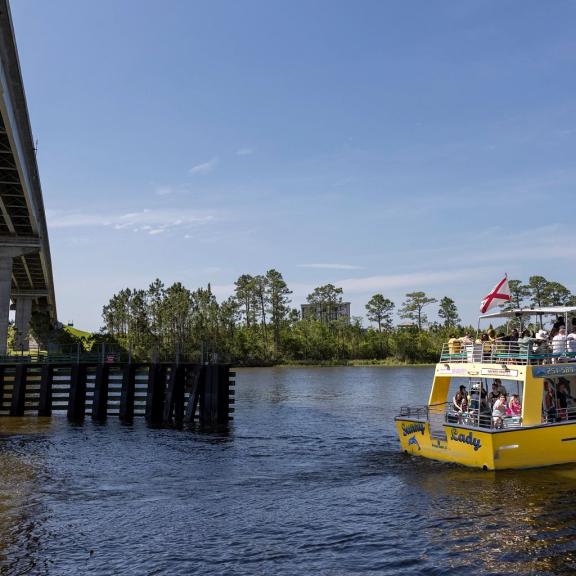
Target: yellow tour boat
[(540, 370)]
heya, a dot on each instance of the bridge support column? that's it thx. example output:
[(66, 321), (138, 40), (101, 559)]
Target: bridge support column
[(23, 316), (7, 254), (5, 288)]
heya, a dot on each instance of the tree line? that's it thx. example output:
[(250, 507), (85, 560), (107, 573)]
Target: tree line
[(257, 325)]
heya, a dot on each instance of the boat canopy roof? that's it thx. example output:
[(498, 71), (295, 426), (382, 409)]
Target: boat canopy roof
[(550, 310)]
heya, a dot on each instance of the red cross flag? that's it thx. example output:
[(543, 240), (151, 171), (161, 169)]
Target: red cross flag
[(499, 295)]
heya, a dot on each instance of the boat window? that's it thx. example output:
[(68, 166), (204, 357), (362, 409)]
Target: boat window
[(558, 399)]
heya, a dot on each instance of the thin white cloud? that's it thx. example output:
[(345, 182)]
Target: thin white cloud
[(205, 167), (496, 245), (152, 222), (164, 190), (244, 151), (413, 280), (330, 266)]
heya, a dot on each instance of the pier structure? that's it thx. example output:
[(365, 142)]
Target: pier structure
[(25, 265), (162, 393)]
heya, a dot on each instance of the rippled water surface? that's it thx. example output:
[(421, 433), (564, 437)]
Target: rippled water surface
[(308, 480)]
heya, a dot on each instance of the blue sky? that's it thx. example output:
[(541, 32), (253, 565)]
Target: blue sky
[(381, 146)]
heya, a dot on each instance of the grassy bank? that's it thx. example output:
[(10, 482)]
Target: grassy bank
[(388, 363)]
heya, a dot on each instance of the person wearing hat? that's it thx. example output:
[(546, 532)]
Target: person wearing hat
[(541, 344)]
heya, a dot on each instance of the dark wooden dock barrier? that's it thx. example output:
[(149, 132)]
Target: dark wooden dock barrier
[(165, 394)]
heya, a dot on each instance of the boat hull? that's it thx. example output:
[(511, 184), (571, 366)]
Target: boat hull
[(528, 447)]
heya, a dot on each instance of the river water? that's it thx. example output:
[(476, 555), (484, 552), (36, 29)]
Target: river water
[(308, 480)]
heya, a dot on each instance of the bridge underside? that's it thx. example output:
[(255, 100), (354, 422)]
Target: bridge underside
[(25, 266), (28, 272)]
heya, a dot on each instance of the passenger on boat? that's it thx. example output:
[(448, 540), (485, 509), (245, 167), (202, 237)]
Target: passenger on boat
[(559, 323), (463, 414), (512, 337), (549, 401), (467, 339), (499, 411), (563, 396), (571, 341), (559, 342), (541, 345), (514, 406), (525, 344), (454, 345), (460, 400), (497, 389)]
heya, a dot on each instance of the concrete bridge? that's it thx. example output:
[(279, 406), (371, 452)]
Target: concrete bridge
[(25, 265)]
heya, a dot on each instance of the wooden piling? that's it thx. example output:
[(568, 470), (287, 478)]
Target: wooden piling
[(100, 399), (194, 388), (174, 399), (77, 398), (179, 394), (2, 382), (19, 390), (215, 397), (155, 395), (126, 413), (45, 401)]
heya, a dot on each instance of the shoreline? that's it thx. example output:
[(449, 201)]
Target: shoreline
[(342, 364)]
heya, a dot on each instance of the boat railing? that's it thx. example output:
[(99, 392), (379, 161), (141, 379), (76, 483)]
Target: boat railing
[(559, 414), (509, 352), (481, 419), (437, 415), (430, 413), (419, 412)]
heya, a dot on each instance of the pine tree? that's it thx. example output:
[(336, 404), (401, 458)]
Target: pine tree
[(413, 306), (379, 310), (449, 312), (279, 304)]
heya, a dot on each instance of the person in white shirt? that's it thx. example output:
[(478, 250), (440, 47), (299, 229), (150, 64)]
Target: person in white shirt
[(499, 411), (559, 342), (571, 341)]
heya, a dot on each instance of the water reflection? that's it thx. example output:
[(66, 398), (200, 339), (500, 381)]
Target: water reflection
[(520, 522), (26, 425), (18, 514)]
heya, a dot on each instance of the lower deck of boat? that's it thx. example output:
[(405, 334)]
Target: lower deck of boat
[(491, 449)]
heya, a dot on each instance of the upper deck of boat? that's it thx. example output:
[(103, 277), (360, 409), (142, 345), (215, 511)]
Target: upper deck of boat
[(502, 352)]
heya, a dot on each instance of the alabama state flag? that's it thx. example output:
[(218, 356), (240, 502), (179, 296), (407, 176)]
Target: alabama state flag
[(499, 295)]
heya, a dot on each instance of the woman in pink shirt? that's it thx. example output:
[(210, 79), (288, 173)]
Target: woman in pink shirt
[(514, 406)]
